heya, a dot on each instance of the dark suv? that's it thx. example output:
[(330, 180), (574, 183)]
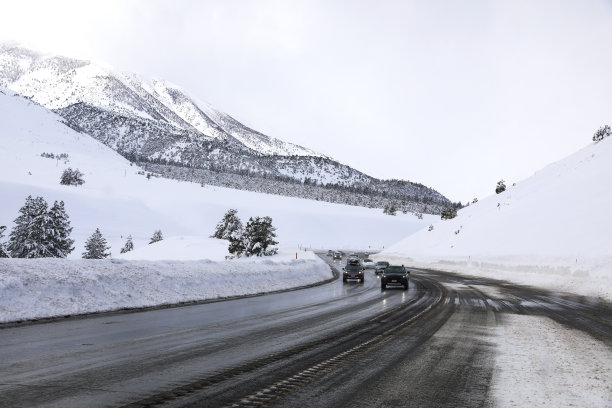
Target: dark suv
[(394, 275), (353, 270)]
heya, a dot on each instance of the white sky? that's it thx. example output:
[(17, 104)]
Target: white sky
[(455, 95)]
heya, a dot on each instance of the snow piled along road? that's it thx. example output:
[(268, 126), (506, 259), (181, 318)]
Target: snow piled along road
[(38, 288), (542, 363)]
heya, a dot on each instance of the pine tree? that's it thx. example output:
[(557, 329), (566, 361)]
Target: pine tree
[(72, 177), (157, 236), (3, 251), (61, 244), (229, 226), (501, 187), (129, 245), (96, 246), (448, 213), (236, 245), (602, 133), (33, 233), (258, 237)]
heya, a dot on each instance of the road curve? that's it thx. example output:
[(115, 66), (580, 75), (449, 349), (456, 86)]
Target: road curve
[(333, 345)]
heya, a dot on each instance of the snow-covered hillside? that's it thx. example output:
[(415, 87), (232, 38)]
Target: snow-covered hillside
[(153, 121), (552, 229), (120, 201)]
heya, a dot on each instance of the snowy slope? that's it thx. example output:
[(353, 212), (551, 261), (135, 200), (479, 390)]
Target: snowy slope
[(551, 229), (120, 201), (152, 120)]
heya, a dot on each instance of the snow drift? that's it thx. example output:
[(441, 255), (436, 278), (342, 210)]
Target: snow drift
[(37, 288)]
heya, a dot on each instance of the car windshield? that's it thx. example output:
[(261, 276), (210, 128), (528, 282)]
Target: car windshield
[(382, 263), (353, 268), (395, 269), (367, 260)]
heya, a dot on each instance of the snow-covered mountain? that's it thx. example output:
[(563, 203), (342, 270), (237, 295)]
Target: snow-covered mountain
[(36, 146), (58, 82), (154, 121), (552, 228)]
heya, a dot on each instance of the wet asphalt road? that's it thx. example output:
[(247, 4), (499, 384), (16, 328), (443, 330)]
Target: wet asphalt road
[(333, 345)]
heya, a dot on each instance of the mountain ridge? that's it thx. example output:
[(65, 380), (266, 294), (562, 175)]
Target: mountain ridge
[(155, 121)]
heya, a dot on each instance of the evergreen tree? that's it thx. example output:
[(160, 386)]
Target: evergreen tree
[(258, 237), (229, 226), (602, 133), (501, 187), (32, 236), (157, 236), (390, 209), (96, 246), (236, 245), (448, 213), (129, 245), (72, 177), (61, 244), (3, 251)]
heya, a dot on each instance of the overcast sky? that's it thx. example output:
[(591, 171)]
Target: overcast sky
[(452, 94)]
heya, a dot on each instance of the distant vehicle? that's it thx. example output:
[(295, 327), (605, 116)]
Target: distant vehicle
[(337, 255), (354, 261), (380, 266), (396, 276), (330, 253), (368, 263), (354, 255), (353, 271)]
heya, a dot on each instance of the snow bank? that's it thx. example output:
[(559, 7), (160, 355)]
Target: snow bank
[(36, 288), (542, 363), (552, 229)]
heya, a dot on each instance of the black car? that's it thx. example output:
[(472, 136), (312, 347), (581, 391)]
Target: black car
[(381, 266), (353, 271), (395, 275)]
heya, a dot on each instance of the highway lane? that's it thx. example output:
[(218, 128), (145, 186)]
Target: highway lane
[(333, 345), (113, 360)]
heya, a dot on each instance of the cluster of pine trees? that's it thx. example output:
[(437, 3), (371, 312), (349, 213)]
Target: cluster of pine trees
[(256, 238), (332, 193), (39, 231), (43, 232)]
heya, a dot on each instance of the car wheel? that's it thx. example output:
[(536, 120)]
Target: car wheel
[(362, 280), (406, 287)]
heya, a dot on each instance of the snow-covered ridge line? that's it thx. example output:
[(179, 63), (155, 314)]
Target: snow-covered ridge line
[(41, 288), (151, 120), (58, 82)]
